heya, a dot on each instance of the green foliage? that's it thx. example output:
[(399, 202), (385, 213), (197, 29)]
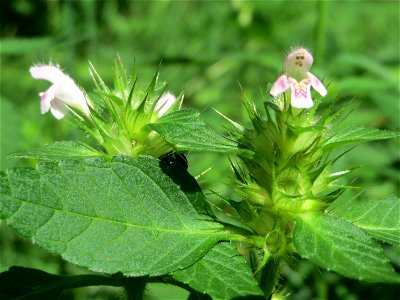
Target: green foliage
[(187, 132), (218, 45), (380, 218), (356, 135), (222, 273), (289, 181), (107, 215), (58, 151), (340, 246)]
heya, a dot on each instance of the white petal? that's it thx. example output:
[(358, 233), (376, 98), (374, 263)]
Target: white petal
[(297, 63), (47, 72), (64, 89), (69, 93), (58, 109), (301, 95), (279, 86), (45, 100), (317, 85), (164, 104)]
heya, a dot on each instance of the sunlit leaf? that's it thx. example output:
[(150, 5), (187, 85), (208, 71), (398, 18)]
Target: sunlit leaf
[(124, 216), (58, 151), (340, 246), (356, 135), (222, 273), (187, 131), (380, 218)]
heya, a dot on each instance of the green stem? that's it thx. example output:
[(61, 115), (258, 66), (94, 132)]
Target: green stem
[(254, 240), (134, 288), (77, 281)]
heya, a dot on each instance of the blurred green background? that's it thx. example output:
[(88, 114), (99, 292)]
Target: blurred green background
[(206, 48)]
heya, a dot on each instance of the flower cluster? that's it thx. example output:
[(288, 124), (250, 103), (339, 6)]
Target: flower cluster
[(118, 117), (288, 172)]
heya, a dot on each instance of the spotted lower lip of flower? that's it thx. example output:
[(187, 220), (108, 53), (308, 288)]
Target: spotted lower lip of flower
[(62, 93), (298, 79)]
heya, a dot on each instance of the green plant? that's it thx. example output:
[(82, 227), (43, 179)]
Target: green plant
[(126, 207)]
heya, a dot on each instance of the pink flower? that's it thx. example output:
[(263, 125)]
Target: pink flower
[(298, 79), (164, 104), (63, 92)]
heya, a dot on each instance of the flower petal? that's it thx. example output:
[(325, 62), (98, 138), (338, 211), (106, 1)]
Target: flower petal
[(164, 104), (317, 85), (279, 86), (301, 95), (45, 100), (297, 63), (47, 72), (69, 93), (64, 89), (58, 109)]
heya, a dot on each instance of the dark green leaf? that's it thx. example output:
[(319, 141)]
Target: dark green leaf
[(222, 273), (380, 218), (27, 283), (187, 131), (338, 245), (59, 151), (120, 216)]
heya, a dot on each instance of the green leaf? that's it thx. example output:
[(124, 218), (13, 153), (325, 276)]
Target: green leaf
[(222, 273), (380, 218), (356, 135), (124, 216), (187, 131), (28, 283), (58, 151), (338, 245)]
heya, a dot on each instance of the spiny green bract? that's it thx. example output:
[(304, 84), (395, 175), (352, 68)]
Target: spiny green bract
[(120, 116), (289, 172)]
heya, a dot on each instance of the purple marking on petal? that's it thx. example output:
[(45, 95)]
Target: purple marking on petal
[(300, 96), (298, 63), (45, 100)]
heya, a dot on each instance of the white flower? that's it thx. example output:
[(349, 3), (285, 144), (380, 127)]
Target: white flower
[(164, 104), (63, 92), (298, 79)]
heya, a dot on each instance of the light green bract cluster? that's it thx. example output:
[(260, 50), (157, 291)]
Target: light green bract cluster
[(289, 182), (128, 209), (117, 118)]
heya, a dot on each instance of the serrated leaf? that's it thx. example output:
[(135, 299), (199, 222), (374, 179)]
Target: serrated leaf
[(335, 244), (120, 216), (380, 218), (222, 273), (187, 131), (59, 151), (356, 135)]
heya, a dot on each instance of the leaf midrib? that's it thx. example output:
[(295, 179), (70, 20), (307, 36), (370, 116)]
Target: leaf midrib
[(205, 231)]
